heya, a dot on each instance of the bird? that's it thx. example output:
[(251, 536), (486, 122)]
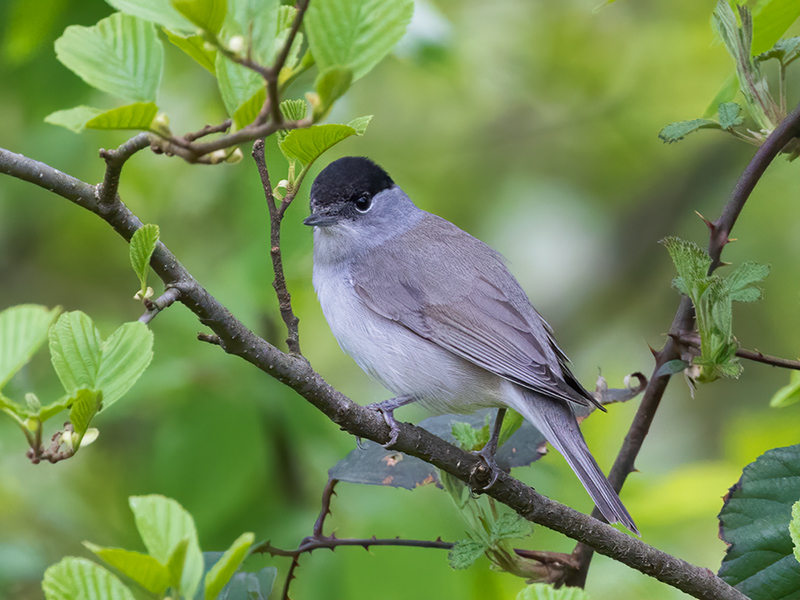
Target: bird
[(435, 316)]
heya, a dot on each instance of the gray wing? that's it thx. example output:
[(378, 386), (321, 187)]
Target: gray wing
[(455, 291)]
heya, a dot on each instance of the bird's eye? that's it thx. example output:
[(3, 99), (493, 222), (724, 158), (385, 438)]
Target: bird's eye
[(363, 203)]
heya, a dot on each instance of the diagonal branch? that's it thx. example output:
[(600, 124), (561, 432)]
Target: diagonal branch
[(297, 373), (115, 159), (684, 319)]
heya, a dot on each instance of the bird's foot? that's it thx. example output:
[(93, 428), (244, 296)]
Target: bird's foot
[(386, 409), (487, 467)]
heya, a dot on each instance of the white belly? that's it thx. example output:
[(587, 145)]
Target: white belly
[(399, 359)]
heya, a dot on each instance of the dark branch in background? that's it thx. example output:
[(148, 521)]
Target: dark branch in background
[(107, 191), (692, 340), (275, 218), (684, 319), (360, 421)]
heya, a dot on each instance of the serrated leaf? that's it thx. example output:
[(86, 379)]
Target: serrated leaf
[(75, 349), (306, 145), (250, 586), (226, 566), (545, 591), (163, 524), (510, 525), (294, 109), (125, 355), (23, 329), (468, 437), (139, 115), (465, 552), (754, 521), (121, 55), (360, 124), (355, 33), (156, 11), (141, 568), (248, 111), (788, 394), (691, 262), (331, 84), (206, 14), (794, 529), (73, 119), (85, 404), (730, 115), (80, 579), (196, 48), (675, 132), (740, 281), (143, 243)]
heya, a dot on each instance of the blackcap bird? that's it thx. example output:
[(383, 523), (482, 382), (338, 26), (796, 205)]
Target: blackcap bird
[(435, 316)]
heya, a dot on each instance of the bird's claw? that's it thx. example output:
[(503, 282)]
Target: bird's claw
[(388, 417), (487, 457)]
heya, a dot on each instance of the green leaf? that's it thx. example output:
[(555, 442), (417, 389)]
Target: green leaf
[(143, 243), (196, 48), (512, 422), (671, 367), (250, 586), (691, 262), (785, 51), (730, 115), (156, 11), (163, 525), (73, 119), (788, 394), (726, 93), (771, 19), (249, 110), (465, 552), (121, 55), (125, 356), (141, 568), (331, 84), (355, 34), (360, 124), (754, 521), (545, 591), (306, 145), (176, 562), (139, 115), (80, 579), (675, 132), (294, 109), (226, 566), (237, 84), (75, 349), (206, 14), (468, 437), (510, 525), (794, 529), (85, 404), (740, 282), (23, 329)]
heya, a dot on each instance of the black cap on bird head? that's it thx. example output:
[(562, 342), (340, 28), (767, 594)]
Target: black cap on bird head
[(346, 179)]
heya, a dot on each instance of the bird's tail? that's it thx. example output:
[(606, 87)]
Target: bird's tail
[(555, 421)]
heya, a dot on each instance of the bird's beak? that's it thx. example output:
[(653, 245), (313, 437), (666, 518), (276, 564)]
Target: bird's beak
[(320, 220)]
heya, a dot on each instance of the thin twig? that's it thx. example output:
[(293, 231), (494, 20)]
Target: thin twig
[(297, 373), (325, 510), (115, 159), (273, 73), (684, 320), (208, 130), (156, 306), (692, 339), (275, 219)]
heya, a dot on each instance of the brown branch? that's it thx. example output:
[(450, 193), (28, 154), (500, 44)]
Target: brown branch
[(154, 307), (208, 130), (684, 320), (275, 219), (273, 73), (115, 159), (297, 373), (692, 339)]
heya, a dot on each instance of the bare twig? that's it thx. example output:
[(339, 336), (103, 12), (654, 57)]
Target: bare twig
[(208, 130), (692, 339), (156, 306), (275, 218), (115, 159), (325, 510), (273, 73), (297, 373), (684, 320)]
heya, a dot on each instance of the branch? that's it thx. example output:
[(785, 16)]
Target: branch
[(693, 340), (115, 159), (273, 73), (684, 319), (154, 307), (296, 372), (275, 219)]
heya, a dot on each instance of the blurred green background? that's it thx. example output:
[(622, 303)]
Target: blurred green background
[(531, 125)]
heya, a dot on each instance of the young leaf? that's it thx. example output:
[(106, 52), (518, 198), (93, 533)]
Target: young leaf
[(75, 349), (468, 437), (73, 119), (143, 243), (139, 115), (77, 579), (306, 145), (226, 566), (465, 552), (85, 405), (730, 115), (754, 521), (121, 55), (675, 132), (141, 568), (510, 525), (788, 394), (250, 586), (794, 529), (163, 524), (23, 329), (124, 357), (196, 48), (249, 109), (294, 109), (671, 367), (740, 282), (331, 84), (206, 14), (355, 34), (177, 561), (691, 262), (786, 51), (545, 591), (237, 84), (156, 11)]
